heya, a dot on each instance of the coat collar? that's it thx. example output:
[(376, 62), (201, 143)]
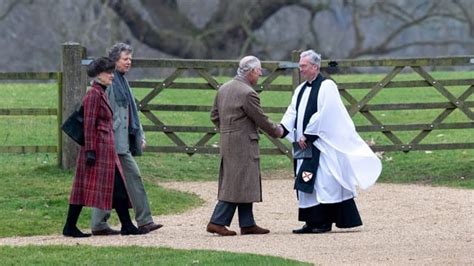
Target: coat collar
[(242, 79), (96, 86)]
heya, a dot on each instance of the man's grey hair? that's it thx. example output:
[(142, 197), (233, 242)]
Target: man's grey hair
[(246, 65), (314, 58), (117, 49)]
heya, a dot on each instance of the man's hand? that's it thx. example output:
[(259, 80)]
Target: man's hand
[(279, 131), (302, 142), (143, 144)]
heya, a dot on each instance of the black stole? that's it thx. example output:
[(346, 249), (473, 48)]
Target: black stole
[(308, 165)]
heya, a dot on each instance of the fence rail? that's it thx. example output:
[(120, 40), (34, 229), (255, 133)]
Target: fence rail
[(359, 98), (22, 76), (363, 106), (18, 111)]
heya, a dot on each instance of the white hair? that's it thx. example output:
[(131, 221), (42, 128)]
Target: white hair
[(247, 64), (314, 58), (117, 49)]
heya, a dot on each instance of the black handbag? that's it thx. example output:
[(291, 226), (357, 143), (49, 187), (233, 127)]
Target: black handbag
[(74, 126), (299, 153)]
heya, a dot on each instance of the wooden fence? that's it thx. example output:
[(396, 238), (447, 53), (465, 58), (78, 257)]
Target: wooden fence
[(425, 81), (73, 80), (71, 83), (37, 77), (364, 105), (202, 69)]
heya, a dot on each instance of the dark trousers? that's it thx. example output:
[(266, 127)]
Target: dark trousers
[(224, 212), (120, 195), (120, 201)]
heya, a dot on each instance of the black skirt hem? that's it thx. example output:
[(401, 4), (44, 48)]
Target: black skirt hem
[(344, 214)]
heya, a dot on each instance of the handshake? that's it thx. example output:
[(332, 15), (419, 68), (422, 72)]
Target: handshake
[(279, 131)]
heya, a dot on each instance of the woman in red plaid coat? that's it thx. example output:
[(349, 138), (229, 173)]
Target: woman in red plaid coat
[(99, 180)]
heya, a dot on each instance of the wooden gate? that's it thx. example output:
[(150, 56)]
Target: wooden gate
[(425, 81), (201, 68), (363, 105)]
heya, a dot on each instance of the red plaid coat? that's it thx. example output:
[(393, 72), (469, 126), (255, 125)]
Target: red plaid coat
[(93, 185)]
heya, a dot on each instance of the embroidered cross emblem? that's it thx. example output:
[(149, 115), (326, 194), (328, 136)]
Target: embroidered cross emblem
[(307, 176)]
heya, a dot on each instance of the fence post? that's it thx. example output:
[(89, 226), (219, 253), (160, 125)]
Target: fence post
[(74, 84), (59, 118), (295, 74)]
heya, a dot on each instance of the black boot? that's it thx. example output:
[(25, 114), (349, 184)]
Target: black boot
[(70, 228), (128, 228), (120, 204)]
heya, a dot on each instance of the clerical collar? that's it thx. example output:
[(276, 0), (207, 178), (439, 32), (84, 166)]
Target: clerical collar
[(310, 83)]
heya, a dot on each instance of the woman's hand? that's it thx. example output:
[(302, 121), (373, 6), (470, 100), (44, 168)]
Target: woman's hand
[(90, 158)]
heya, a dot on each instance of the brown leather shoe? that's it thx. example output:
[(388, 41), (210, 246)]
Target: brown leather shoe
[(147, 228), (220, 230), (105, 232), (253, 230)]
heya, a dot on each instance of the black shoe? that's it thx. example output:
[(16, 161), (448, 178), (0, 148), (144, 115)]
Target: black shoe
[(147, 228), (105, 232), (74, 232), (312, 230), (130, 230)]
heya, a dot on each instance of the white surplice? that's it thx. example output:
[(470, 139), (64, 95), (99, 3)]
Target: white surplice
[(346, 161)]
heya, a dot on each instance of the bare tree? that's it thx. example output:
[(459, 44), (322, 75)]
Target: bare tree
[(230, 30), (7, 7), (466, 14), (402, 19), (33, 31)]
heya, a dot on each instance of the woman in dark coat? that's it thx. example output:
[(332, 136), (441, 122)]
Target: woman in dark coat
[(99, 180)]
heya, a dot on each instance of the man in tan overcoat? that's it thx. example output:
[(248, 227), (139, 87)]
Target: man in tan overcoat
[(238, 115)]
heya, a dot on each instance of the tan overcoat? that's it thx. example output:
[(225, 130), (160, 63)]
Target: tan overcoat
[(237, 113)]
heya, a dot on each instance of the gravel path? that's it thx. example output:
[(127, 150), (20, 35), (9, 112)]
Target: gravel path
[(403, 224)]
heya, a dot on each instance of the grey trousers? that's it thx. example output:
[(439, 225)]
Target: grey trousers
[(224, 212), (136, 192)]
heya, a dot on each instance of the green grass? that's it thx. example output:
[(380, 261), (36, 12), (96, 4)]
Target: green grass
[(442, 167), (88, 255), (41, 130), (34, 196), (34, 191)]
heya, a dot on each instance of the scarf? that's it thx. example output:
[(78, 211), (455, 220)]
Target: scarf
[(124, 98)]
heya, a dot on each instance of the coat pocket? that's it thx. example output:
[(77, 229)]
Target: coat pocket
[(254, 149), (254, 136), (103, 128)]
